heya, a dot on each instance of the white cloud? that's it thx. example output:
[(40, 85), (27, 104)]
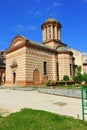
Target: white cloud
[(33, 12), (20, 28), (37, 13), (84, 53), (57, 4), (32, 28)]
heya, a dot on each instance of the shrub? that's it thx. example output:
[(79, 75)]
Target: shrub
[(48, 83), (53, 83), (66, 78)]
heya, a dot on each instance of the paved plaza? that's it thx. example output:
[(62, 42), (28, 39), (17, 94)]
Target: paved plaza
[(14, 100)]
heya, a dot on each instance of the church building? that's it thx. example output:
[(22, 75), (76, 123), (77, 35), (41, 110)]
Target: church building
[(28, 62)]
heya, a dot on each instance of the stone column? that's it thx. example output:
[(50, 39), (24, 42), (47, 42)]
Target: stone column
[(55, 32), (51, 31), (58, 33), (43, 36), (47, 32), (55, 68)]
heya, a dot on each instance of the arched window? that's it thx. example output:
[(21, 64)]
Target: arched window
[(53, 31), (49, 28), (46, 33), (14, 78), (45, 67)]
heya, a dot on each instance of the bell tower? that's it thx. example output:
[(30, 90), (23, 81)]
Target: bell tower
[(51, 30)]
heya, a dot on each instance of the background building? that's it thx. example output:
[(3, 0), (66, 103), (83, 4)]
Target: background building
[(2, 67), (84, 63), (78, 58)]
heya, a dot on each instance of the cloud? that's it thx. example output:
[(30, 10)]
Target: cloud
[(84, 53), (57, 4), (32, 28), (37, 13), (33, 12), (20, 28)]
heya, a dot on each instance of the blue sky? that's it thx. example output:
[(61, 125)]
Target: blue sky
[(25, 17)]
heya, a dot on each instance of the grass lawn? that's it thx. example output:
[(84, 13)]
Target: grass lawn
[(28, 119)]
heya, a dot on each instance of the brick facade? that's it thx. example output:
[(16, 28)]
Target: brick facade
[(28, 62)]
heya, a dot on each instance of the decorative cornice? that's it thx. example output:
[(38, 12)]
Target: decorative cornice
[(15, 48), (65, 52), (27, 43), (51, 22), (41, 47), (45, 42)]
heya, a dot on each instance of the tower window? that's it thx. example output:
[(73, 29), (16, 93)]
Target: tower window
[(50, 36), (53, 31), (46, 33), (45, 67), (53, 35), (57, 69), (70, 69), (49, 29), (46, 30)]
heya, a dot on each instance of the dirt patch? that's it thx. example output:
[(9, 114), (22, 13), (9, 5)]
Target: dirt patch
[(60, 103), (4, 112)]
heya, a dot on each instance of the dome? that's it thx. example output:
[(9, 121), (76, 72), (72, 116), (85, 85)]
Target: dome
[(51, 20), (61, 48)]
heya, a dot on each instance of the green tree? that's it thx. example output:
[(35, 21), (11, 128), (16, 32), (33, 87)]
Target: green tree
[(79, 70), (85, 77), (79, 76)]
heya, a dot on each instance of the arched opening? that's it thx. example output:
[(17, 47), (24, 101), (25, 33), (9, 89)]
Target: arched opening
[(14, 78), (36, 76)]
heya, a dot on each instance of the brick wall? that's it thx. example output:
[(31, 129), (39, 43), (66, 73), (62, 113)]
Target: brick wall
[(64, 61), (19, 56), (35, 59)]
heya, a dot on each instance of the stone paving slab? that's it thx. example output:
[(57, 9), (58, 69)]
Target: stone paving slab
[(14, 100), (57, 91), (62, 92)]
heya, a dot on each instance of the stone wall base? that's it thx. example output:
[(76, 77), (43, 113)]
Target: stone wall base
[(23, 83)]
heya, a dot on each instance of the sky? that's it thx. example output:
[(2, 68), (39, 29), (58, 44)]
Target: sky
[(25, 17)]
